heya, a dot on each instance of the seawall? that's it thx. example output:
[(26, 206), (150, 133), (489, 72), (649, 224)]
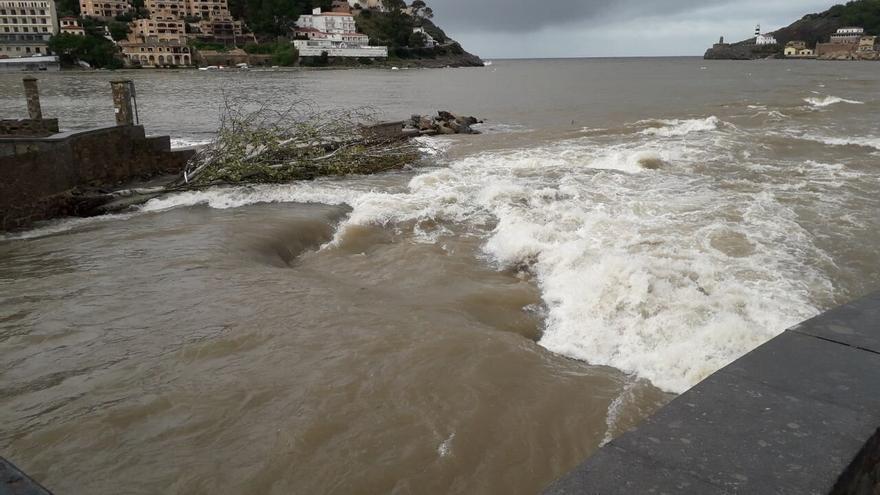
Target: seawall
[(798, 415), (42, 177)]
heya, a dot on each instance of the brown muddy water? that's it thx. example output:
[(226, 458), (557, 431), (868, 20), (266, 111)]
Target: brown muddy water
[(478, 323)]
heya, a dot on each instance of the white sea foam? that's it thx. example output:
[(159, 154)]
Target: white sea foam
[(639, 264), (63, 225), (864, 141), (672, 128), (177, 143), (825, 101)]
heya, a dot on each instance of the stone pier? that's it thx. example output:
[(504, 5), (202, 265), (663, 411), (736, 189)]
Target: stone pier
[(798, 415)]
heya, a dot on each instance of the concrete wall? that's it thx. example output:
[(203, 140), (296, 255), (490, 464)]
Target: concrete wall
[(40, 177), (844, 51), (28, 127), (798, 415)]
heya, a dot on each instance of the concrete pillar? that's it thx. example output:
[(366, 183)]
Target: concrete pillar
[(122, 102), (32, 95)]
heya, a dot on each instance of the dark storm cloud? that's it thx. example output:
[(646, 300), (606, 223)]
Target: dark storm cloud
[(531, 15)]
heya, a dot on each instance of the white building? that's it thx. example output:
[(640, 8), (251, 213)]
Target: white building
[(430, 42), (334, 33), (328, 22), (29, 64), (317, 47), (26, 26), (848, 35), (71, 25)]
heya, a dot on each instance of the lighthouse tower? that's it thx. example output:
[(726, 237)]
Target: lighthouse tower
[(757, 30)]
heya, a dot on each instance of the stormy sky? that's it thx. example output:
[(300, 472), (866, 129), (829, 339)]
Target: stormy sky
[(609, 28)]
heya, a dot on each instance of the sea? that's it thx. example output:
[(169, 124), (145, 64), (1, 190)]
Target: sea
[(478, 322)]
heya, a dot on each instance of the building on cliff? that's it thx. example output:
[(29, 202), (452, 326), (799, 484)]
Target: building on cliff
[(162, 39), (71, 25), (26, 26), (104, 9), (847, 35), (334, 33), (763, 39), (868, 44)]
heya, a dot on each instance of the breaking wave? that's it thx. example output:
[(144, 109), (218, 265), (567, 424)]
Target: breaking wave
[(644, 263), (672, 128), (867, 142), (826, 101)]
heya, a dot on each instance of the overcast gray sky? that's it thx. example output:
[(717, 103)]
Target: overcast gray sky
[(608, 28)]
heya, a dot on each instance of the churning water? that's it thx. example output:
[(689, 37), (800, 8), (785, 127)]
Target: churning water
[(475, 324)]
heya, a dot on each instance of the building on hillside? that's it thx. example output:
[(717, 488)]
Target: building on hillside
[(203, 9), (224, 30), (71, 25), (847, 35), (104, 9), (797, 49), (763, 39), (159, 28), (140, 52), (333, 48), (26, 26), (868, 44), (430, 42), (334, 33), (327, 22)]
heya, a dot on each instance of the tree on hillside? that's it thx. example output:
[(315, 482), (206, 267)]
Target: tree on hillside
[(393, 5), (94, 50), (420, 9)]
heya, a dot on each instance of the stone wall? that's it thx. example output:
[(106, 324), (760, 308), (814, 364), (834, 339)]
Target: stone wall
[(28, 127), (844, 51), (42, 178)]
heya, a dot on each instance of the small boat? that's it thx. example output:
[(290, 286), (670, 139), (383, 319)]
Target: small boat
[(395, 68)]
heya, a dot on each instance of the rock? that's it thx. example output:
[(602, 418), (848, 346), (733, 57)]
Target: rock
[(446, 130), (466, 121), (425, 123), (445, 116)]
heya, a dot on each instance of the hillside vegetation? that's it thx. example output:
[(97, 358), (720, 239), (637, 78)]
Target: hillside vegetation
[(817, 28)]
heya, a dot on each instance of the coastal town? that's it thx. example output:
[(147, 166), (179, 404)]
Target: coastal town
[(845, 43), (206, 34)]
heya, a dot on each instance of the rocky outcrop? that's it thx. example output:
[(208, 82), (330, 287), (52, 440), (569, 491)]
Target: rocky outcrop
[(444, 123), (740, 51)]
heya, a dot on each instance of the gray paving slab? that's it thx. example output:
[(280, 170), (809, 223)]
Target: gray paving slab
[(856, 324), (810, 367), (613, 470), (749, 438), (15, 482)]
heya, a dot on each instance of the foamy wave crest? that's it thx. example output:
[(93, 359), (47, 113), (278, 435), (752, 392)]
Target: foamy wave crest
[(177, 143), (672, 128), (236, 197), (867, 142), (826, 101), (649, 276)]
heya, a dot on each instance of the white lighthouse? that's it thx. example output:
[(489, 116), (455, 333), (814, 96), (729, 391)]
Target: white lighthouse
[(763, 39)]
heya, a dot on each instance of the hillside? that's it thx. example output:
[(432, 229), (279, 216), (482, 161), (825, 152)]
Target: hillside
[(812, 28), (269, 19)]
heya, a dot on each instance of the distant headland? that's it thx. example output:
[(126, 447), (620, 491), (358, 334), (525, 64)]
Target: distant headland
[(843, 32)]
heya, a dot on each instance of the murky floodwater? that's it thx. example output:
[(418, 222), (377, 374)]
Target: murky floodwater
[(477, 324)]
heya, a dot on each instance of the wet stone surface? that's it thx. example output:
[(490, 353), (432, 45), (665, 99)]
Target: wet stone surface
[(790, 417)]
